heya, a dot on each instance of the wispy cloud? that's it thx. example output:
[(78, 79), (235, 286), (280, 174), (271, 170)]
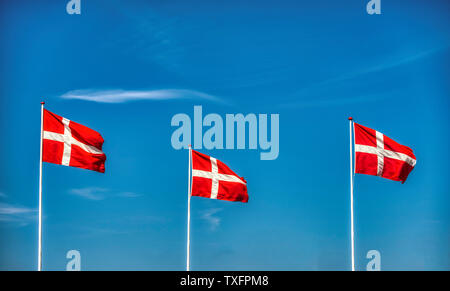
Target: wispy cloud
[(97, 193), (91, 193), (128, 195), (8, 209), (151, 38), (16, 214), (121, 225), (313, 103), (2, 195), (305, 97), (209, 217), (381, 67), (120, 96)]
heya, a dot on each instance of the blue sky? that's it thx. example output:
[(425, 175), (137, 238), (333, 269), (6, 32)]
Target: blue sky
[(313, 62)]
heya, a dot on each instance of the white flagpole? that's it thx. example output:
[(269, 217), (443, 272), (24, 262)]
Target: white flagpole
[(351, 194), (189, 213), (40, 191)]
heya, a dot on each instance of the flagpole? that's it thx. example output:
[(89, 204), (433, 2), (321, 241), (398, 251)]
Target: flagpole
[(351, 195), (189, 213), (40, 191)]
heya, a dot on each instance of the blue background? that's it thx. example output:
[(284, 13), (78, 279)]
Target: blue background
[(313, 62)]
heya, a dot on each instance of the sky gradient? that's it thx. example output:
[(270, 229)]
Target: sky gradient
[(124, 68)]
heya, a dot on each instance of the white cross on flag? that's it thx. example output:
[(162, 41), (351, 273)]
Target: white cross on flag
[(379, 155), (213, 179), (71, 144)]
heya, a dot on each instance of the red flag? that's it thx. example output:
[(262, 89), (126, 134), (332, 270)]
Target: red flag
[(71, 144), (378, 155), (213, 179)]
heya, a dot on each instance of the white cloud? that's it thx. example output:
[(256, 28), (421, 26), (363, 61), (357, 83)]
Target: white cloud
[(151, 38), (120, 96), (128, 195), (333, 101), (8, 209), (97, 193), (391, 64), (209, 217), (91, 193), (16, 214), (305, 96)]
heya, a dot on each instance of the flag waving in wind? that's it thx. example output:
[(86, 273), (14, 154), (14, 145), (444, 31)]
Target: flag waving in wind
[(379, 155), (376, 155), (66, 143), (71, 144), (213, 179)]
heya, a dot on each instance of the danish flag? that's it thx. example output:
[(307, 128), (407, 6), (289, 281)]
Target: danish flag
[(71, 144), (379, 155), (213, 179)]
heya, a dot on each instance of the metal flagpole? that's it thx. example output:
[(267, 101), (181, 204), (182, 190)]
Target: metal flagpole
[(189, 212), (40, 191), (351, 194)]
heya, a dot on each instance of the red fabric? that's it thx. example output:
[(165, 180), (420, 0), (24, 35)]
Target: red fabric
[(226, 190), (397, 160), (53, 150)]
